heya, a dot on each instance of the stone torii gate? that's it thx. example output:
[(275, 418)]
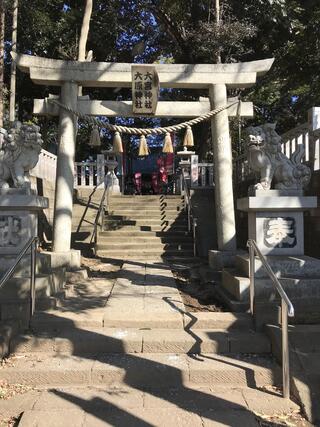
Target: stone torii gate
[(217, 78)]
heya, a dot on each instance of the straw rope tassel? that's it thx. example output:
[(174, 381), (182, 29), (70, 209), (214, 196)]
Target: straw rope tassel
[(117, 143), (95, 140), (143, 147), (188, 138), (167, 146)]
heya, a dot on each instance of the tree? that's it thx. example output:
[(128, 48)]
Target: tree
[(2, 24), (84, 34)]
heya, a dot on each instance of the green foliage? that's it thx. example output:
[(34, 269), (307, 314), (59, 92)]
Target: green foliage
[(183, 31)]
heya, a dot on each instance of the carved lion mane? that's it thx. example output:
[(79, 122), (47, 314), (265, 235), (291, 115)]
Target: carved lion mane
[(266, 158), (19, 153)]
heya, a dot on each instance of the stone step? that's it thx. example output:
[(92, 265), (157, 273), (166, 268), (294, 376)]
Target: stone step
[(305, 338), (62, 319), (143, 254), (218, 320), (235, 285), (147, 207), (106, 244), (23, 268), (148, 216), (123, 233), (18, 288), (282, 266), (239, 287), (146, 197), (142, 238), (172, 407), (125, 341), (112, 226), (145, 221), (127, 210), (150, 371)]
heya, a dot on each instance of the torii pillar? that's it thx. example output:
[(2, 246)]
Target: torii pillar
[(62, 224), (226, 227)]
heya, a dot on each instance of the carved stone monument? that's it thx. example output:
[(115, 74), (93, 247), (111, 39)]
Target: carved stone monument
[(276, 215), (19, 205), (275, 207)]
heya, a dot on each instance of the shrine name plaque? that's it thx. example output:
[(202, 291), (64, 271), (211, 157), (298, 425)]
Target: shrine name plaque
[(145, 89)]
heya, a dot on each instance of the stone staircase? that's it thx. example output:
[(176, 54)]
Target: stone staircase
[(123, 351), (145, 227), (299, 277)]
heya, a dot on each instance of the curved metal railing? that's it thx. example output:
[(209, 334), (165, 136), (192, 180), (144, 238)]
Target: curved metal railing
[(287, 309), (103, 205), (192, 220), (33, 244)]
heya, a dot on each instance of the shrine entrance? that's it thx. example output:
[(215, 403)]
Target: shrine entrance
[(69, 75)]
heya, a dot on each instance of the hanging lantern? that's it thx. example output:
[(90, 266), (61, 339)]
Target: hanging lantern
[(167, 146), (117, 143), (143, 147), (188, 138), (95, 140)]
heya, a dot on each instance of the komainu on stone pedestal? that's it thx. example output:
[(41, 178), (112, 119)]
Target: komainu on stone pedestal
[(19, 153), (266, 158)]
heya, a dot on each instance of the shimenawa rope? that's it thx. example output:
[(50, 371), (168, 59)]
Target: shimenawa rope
[(146, 131)]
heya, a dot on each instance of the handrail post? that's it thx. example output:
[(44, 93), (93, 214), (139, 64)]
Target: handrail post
[(33, 249), (251, 275), (194, 237), (285, 350)]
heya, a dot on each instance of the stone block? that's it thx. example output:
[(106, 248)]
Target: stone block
[(235, 284), (286, 266), (18, 220), (277, 233), (220, 259), (70, 260), (276, 222)]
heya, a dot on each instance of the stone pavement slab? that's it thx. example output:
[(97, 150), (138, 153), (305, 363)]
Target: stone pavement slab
[(217, 320), (229, 418), (268, 403), (144, 320), (62, 318), (71, 418), (90, 398), (144, 418)]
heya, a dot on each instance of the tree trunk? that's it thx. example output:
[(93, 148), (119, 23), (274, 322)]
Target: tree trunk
[(85, 30), (218, 23), (2, 20), (84, 34), (12, 111)]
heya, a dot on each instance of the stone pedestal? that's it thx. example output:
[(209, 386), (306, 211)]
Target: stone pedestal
[(276, 221), (18, 221)]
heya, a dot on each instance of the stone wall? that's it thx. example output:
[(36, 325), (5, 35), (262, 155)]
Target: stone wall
[(312, 220)]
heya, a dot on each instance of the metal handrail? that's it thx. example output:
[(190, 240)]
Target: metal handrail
[(101, 212), (287, 309), (33, 244), (192, 220)]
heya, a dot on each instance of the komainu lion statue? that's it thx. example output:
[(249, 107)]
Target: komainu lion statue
[(265, 156), (19, 153)]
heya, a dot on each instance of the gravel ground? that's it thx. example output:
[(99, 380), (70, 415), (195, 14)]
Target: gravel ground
[(196, 296)]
